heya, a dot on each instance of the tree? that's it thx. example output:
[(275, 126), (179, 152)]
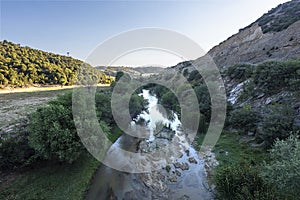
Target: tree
[(136, 105), (119, 75)]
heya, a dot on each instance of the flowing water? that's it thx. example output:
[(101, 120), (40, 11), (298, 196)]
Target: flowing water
[(183, 179)]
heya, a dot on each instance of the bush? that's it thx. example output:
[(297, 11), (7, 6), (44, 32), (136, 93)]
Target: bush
[(53, 134), (273, 76), (194, 76), (15, 152), (283, 170), (242, 182), (277, 122), (240, 72), (244, 119), (52, 131)]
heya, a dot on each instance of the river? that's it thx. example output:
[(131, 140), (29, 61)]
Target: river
[(183, 179)]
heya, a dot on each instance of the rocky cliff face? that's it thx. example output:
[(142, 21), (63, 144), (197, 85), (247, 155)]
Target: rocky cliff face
[(253, 46), (274, 36)]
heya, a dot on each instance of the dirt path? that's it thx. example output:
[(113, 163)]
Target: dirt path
[(36, 89)]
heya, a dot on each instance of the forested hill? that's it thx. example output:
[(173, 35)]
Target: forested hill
[(24, 66)]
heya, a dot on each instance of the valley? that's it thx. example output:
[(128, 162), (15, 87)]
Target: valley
[(73, 130)]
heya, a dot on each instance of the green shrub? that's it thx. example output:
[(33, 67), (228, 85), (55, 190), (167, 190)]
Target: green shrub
[(240, 72), (242, 182), (185, 72), (277, 122), (15, 151), (194, 76), (52, 131), (283, 170), (53, 134), (272, 76), (244, 119)]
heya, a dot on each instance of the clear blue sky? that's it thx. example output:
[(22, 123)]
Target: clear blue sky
[(79, 26)]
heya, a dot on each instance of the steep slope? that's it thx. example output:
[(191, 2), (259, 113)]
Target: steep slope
[(279, 18), (274, 36), (251, 45)]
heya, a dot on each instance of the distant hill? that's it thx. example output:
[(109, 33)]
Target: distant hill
[(134, 71), (148, 70), (24, 66)]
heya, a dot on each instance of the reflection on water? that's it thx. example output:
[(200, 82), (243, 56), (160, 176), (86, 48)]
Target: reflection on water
[(156, 114), (184, 179)]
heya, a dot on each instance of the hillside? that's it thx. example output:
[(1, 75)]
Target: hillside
[(280, 18), (274, 36), (260, 65), (24, 66)]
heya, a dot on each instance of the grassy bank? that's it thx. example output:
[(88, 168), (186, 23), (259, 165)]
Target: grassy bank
[(229, 149), (54, 181)]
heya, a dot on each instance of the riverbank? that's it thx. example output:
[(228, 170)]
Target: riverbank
[(52, 181)]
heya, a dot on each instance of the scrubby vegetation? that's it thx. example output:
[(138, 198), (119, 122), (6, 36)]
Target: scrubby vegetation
[(266, 78), (277, 123), (250, 173), (244, 118), (24, 66), (274, 82), (15, 151), (254, 127), (242, 181), (283, 170), (280, 18), (286, 14)]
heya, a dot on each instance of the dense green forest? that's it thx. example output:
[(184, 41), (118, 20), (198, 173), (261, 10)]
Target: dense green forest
[(24, 66)]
